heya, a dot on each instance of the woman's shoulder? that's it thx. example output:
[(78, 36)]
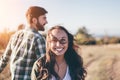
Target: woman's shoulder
[(41, 61)]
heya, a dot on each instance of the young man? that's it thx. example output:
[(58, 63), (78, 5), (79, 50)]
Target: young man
[(26, 45)]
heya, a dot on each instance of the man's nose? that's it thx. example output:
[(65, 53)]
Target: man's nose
[(46, 22)]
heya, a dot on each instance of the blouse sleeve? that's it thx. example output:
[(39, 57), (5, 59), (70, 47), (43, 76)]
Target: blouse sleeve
[(35, 73)]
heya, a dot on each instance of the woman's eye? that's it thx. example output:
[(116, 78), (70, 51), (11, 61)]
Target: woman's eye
[(54, 40), (63, 41)]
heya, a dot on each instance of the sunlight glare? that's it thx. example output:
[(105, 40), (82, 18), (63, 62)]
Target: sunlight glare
[(9, 12)]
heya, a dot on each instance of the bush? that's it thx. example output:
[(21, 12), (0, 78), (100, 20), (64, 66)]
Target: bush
[(114, 40), (4, 39)]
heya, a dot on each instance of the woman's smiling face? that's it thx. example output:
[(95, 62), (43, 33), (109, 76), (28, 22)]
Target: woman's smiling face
[(58, 41)]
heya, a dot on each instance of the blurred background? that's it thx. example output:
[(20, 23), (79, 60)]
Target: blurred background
[(94, 24)]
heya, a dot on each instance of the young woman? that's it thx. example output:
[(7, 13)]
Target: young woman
[(61, 61)]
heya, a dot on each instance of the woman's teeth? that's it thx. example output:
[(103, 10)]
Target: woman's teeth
[(59, 49)]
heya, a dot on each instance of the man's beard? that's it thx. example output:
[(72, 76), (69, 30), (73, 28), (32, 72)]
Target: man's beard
[(39, 26)]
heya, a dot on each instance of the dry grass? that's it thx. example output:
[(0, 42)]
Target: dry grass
[(102, 62)]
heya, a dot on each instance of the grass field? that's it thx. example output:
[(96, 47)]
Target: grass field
[(102, 62)]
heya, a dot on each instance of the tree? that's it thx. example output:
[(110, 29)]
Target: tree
[(83, 30), (83, 37)]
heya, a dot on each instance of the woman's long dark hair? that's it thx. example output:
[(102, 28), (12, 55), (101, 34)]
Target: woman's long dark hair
[(73, 60)]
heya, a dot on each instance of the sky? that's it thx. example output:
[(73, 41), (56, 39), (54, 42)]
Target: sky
[(98, 16)]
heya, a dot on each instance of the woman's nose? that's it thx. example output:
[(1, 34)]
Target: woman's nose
[(58, 43)]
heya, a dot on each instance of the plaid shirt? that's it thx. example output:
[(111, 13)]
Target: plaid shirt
[(23, 49)]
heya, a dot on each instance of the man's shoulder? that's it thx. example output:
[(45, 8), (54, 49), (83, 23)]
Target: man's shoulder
[(33, 33), (17, 33)]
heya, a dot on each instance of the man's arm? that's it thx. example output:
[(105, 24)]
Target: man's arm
[(5, 57)]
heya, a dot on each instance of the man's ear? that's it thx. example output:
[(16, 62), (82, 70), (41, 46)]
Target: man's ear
[(34, 20)]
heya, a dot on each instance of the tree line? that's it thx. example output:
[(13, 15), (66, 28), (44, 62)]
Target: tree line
[(81, 37)]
